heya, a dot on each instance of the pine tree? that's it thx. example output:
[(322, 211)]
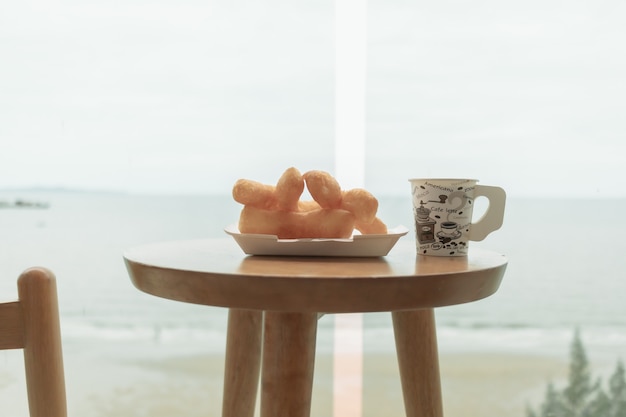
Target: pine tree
[(577, 395), (617, 392), (583, 397), (552, 405), (600, 406)]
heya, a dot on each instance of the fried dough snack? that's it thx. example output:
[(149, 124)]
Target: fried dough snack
[(284, 196), (333, 213), (308, 205), (324, 188), (376, 227), (320, 223), (288, 190), (255, 194), (361, 203)]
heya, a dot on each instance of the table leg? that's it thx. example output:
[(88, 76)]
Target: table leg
[(288, 362), (243, 359), (416, 346)]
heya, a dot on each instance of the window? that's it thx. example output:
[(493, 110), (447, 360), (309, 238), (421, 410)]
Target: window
[(133, 119)]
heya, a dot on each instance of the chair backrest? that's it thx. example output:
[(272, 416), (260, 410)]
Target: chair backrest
[(32, 324)]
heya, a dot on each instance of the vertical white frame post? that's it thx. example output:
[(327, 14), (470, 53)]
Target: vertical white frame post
[(350, 81)]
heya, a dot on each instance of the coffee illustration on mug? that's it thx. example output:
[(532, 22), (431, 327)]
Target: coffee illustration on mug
[(442, 209), (425, 226), (447, 213)]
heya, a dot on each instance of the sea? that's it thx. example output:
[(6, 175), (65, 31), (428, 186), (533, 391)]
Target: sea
[(566, 273)]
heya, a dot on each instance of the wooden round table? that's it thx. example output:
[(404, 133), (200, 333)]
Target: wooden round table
[(274, 304)]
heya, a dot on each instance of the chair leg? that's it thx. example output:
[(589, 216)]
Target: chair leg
[(416, 346), (288, 364), (43, 352), (243, 360)]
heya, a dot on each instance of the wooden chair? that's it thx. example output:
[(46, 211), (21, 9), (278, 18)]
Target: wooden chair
[(32, 324)]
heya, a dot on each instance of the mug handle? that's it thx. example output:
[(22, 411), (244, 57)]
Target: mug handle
[(493, 217)]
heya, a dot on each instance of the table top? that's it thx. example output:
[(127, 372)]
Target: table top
[(216, 272)]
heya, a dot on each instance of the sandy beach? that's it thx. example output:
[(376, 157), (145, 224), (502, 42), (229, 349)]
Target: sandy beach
[(489, 385)]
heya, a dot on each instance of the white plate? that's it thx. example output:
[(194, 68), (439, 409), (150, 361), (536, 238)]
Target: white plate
[(356, 246)]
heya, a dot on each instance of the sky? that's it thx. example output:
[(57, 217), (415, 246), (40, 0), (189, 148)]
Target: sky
[(188, 96)]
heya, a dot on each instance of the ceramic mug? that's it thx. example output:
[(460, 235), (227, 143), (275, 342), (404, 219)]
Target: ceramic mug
[(442, 209)]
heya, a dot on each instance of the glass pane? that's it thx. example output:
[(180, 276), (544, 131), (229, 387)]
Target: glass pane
[(163, 105), (526, 96)]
